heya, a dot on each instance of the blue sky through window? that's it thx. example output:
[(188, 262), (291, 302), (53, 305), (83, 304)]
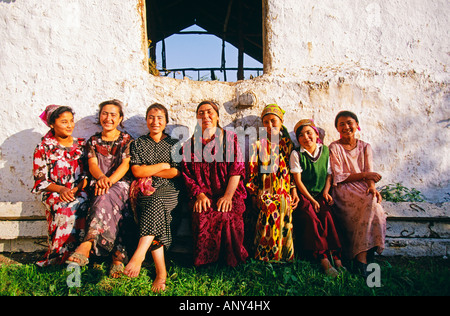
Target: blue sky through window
[(202, 51)]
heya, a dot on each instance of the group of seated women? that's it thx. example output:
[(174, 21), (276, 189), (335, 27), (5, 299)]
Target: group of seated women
[(113, 196)]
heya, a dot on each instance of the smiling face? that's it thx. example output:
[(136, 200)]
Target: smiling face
[(110, 117), (272, 123), (307, 138), (64, 125), (347, 127), (156, 121), (207, 116)]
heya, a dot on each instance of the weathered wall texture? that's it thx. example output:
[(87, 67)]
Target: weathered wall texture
[(385, 60), (378, 36)]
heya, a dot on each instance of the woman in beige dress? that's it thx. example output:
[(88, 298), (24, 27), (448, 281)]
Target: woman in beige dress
[(359, 210)]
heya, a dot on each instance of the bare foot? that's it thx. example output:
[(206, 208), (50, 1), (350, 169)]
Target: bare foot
[(328, 268), (133, 267), (338, 264), (159, 285)]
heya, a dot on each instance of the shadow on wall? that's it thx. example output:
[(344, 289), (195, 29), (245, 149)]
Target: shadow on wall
[(16, 179), (398, 151), (16, 182), (86, 126), (136, 126), (403, 155)]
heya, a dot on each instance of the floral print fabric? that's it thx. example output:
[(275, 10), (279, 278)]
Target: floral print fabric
[(216, 233), (109, 215), (362, 218), (53, 163)]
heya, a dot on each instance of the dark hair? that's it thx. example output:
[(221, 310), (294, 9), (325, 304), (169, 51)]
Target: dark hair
[(115, 102), (158, 107), (301, 127), (214, 105), (58, 112), (346, 114), (210, 102)]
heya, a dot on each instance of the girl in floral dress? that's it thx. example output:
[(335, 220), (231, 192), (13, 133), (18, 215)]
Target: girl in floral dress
[(59, 174), (108, 158), (358, 202), (272, 189)]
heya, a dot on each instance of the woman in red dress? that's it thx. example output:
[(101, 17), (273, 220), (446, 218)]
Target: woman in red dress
[(214, 179)]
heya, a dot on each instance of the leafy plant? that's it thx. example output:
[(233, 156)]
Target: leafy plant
[(396, 192)]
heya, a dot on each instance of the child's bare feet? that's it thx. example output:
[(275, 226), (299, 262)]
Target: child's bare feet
[(328, 268), (133, 267), (159, 285), (338, 263)]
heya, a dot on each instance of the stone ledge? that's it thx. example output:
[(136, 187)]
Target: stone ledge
[(23, 229), (23, 245), (402, 210), (413, 229), (417, 211), (417, 229), (417, 247), (22, 210)]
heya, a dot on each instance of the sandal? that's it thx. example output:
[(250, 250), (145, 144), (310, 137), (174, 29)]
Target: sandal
[(116, 270), (82, 259)]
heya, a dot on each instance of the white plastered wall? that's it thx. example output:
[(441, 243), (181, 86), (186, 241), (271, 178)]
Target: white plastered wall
[(385, 60)]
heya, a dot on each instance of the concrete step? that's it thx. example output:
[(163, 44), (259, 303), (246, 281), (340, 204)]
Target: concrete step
[(417, 247), (413, 229)]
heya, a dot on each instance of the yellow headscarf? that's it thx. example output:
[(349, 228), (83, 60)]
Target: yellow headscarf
[(273, 109), (276, 110)]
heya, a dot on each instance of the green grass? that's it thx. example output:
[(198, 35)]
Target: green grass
[(399, 277)]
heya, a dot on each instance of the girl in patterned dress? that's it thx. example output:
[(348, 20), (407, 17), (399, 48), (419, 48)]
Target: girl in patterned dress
[(214, 175), (108, 158), (59, 175), (358, 202), (152, 160), (272, 189), (314, 229)]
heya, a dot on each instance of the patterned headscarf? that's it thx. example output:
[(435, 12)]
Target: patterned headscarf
[(273, 109), (45, 116), (276, 110), (306, 122)]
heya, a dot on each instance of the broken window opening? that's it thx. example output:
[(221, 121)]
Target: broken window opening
[(178, 50), (206, 40)]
